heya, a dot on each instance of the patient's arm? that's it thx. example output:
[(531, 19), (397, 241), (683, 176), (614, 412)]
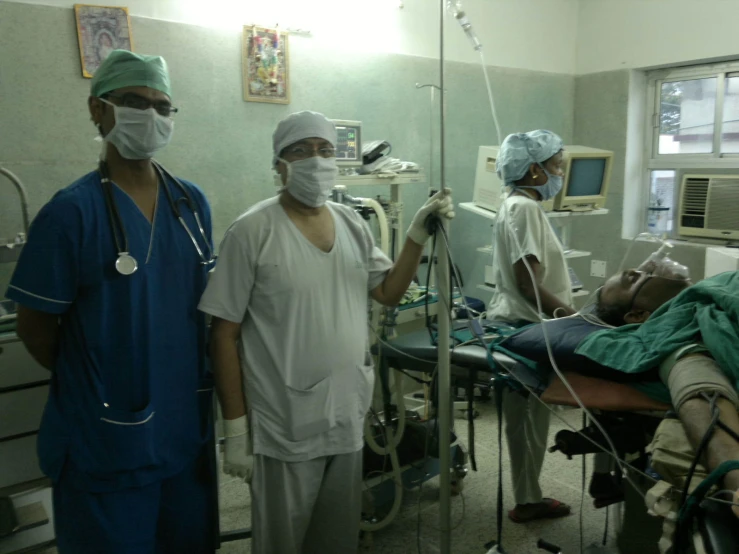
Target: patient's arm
[(695, 374), (695, 415)]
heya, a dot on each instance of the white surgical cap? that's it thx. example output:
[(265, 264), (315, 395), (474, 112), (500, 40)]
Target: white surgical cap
[(520, 150), (299, 126)]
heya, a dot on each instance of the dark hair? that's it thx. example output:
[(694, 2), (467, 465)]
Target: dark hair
[(522, 180), (611, 314)]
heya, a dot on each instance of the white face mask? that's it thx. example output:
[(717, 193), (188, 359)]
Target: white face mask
[(311, 181), (139, 134)]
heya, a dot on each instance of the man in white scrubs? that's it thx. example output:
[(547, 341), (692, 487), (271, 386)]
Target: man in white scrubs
[(290, 344), (530, 165)]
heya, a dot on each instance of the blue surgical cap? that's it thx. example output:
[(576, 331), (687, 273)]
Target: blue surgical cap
[(300, 126), (125, 69), (520, 150)]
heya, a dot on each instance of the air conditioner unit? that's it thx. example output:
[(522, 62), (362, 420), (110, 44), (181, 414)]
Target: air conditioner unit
[(709, 206)]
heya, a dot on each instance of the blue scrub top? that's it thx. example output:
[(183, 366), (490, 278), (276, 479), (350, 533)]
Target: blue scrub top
[(130, 398)]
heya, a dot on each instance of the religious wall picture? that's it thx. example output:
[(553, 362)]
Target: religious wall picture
[(266, 65), (100, 30)]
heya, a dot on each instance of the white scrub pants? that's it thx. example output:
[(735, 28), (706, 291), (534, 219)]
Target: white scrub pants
[(527, 429), (310, 507)]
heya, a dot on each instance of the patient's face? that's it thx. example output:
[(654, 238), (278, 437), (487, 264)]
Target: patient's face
[(621, 289), (637, 290)]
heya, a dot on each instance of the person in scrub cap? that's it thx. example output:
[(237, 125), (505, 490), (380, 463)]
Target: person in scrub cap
[(126, 436), (530, 166), (290, 343)]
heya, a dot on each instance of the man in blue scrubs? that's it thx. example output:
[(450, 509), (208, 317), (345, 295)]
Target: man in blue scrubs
[(108, 286)]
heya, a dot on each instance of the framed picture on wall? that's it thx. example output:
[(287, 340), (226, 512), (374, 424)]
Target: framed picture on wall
[(265, 69), (100, 30)]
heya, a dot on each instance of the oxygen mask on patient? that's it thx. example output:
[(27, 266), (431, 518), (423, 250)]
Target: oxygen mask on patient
[(659, 264)]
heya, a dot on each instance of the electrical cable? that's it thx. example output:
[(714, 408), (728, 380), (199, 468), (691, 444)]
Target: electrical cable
[(702, 446), (532, 275), (622, 464), (425, 462), (582, 492), (727, 430), (391, 347), (446, 309), (604, 450), (430, 264), (613, 453)]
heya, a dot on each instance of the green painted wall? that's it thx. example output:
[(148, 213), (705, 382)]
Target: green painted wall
[(224, 144)]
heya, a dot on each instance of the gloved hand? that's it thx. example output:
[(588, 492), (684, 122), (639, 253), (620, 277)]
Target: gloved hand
[(238, 458), (439, 204)]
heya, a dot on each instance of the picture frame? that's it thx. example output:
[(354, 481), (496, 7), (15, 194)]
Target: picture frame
[(266, 65), (100, 30)]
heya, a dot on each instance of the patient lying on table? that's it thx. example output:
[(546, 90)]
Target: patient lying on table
[(691, 333)]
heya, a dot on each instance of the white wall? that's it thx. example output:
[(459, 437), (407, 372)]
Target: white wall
[(511, 31), (625, 34)]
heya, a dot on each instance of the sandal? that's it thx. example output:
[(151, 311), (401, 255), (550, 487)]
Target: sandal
[(548, 508)]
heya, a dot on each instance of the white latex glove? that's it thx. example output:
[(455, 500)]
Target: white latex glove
[(439, 204), (238, 458)]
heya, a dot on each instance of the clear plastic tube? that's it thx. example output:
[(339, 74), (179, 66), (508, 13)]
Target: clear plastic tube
[(611, 450)]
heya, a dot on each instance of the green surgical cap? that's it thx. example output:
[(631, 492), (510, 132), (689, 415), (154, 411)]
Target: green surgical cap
[(126, 69)]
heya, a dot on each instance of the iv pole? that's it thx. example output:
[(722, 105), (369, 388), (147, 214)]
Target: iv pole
[(442, 289)]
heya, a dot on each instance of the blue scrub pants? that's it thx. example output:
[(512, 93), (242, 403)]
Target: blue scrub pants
[(172, 516)]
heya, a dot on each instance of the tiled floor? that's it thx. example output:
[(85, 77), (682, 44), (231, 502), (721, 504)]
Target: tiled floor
[(473, 513)]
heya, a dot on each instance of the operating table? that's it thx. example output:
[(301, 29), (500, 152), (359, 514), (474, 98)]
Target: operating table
[(629, 415)]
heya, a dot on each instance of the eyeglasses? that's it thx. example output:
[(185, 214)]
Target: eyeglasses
[(132, 100), (302, 152)]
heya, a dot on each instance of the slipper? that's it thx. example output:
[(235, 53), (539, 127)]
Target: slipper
[(551, 509)]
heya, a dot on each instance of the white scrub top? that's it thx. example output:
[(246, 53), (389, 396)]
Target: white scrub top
[(537, 238), (307, 373)]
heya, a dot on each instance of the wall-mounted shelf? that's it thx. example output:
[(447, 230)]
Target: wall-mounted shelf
[(383, 180), (577, 254), (562, 220), (602, 211), (475, 209)]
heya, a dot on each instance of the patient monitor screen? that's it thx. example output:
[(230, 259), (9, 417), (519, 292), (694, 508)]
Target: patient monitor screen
[(586, 177), (348, 146)]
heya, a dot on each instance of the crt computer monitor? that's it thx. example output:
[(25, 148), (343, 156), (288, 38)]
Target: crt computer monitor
[(349, 143), (586, 180)]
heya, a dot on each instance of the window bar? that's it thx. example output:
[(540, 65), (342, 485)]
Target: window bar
[(718, 118)]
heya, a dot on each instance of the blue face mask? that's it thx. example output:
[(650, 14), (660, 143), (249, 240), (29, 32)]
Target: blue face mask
[(551, 189)]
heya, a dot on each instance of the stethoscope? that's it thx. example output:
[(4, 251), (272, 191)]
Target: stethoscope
[(126, 264)]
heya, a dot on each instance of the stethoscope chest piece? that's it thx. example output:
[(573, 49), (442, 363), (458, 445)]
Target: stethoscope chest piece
[(126, 264)]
